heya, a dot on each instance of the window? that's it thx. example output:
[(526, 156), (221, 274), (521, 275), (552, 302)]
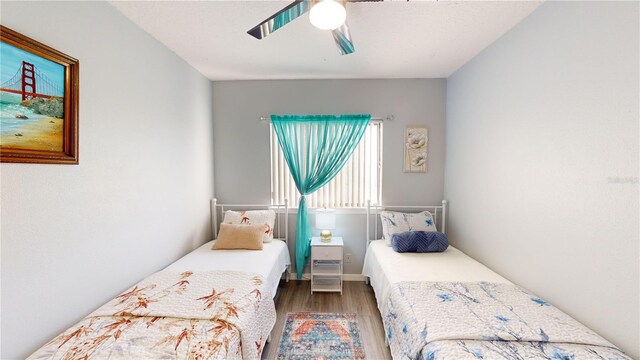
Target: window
[(358, 181)]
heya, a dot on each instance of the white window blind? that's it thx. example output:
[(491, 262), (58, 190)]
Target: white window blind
[(358, 181)]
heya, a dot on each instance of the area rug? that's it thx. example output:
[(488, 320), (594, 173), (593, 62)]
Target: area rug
[(325, 336)]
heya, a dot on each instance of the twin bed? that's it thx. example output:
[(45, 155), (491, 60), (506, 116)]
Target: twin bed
[(210, 304), (448, 306), (271, 263)]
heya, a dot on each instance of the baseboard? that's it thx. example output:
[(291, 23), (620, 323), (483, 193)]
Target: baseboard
[(345, 277), (353, 277)]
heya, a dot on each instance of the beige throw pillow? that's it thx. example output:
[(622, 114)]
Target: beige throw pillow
[(236, 236)]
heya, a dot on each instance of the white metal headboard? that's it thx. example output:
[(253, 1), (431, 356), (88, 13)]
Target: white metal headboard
[(281, 225), (433, 209)]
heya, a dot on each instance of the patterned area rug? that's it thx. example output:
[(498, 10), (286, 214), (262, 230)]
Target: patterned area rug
[(320, 336)]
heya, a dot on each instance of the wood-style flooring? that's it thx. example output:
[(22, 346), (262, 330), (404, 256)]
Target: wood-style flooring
[(357, 297)]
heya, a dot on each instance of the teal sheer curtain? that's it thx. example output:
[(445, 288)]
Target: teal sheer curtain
[(316, 147)]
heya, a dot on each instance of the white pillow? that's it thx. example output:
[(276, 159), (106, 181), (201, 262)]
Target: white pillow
[(253, 217), (397, 222)]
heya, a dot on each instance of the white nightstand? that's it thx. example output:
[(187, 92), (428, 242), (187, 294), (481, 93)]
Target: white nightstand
[(326, 265)]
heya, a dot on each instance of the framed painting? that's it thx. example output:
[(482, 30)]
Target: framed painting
[(38, 102), (416, 140)]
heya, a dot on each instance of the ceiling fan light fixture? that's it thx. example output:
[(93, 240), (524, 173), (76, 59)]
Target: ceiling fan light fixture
[(327, 15)]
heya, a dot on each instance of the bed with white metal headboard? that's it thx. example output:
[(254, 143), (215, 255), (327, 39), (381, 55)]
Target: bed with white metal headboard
[(272, 262), (384, 267), (414, 290), (204, 267)]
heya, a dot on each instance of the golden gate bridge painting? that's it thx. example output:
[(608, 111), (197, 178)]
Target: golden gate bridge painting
[(27, 80), (31, 100)]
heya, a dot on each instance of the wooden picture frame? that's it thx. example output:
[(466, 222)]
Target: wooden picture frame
[(49, 131)]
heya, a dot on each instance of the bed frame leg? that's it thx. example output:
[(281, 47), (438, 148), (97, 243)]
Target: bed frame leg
[(287, 274), (269, 338)]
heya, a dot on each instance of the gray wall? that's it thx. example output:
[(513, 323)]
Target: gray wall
[(75, 236), (242, 141), (540, 126)]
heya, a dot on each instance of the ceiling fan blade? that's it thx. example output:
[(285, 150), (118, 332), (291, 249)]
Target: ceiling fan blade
[(280, 19), (342, 37)]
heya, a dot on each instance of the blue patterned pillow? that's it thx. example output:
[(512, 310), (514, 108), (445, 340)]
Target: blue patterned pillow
[(419, 241)]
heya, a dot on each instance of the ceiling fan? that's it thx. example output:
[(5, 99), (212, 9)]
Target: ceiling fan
[(323, 14)]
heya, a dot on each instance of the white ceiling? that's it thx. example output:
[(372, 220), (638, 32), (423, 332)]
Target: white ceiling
[(417, 39)]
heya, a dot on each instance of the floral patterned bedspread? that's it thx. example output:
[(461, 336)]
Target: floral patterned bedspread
[(452, 320), (170, 315)]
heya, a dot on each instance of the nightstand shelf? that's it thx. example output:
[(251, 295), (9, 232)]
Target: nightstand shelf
[(326, 268), (326, 265), (328, 284)]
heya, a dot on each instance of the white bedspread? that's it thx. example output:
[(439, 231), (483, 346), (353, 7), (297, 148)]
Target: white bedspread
[(269, 262), (386, 267)]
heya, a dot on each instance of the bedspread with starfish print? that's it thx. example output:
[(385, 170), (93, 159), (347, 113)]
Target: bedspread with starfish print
[(170, 315), (453, 320)]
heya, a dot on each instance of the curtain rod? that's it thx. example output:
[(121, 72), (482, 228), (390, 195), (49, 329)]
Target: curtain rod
[(373, 118)]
